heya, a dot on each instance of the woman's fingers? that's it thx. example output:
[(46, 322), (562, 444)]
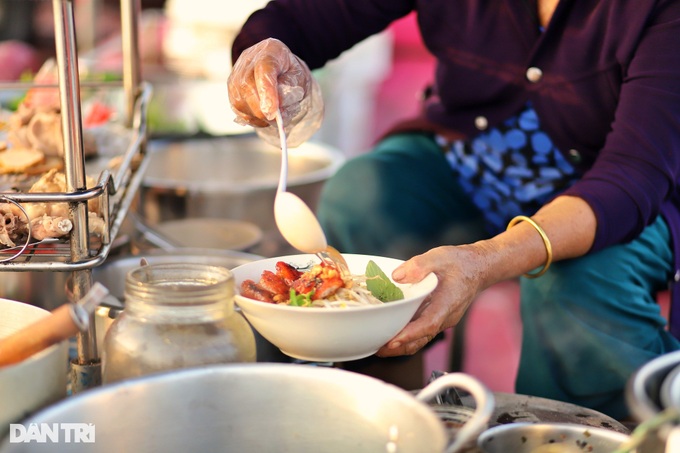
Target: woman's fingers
[(265, 78), (460, 271)]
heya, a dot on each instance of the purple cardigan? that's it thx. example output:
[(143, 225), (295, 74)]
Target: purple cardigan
[(604, 78)]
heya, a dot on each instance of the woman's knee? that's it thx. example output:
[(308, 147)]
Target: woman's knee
[(349, 208), (355, 188), (588, 324)]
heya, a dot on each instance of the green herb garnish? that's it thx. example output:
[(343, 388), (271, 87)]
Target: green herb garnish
[(380, 285), (300, 300)]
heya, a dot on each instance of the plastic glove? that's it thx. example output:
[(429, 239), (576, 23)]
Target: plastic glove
[(267, 77)]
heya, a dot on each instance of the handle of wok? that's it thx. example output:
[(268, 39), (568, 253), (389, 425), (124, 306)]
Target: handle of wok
[(40, 335), (484, 405)]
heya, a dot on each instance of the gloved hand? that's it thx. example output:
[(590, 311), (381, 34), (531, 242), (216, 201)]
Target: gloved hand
[(266, 77)]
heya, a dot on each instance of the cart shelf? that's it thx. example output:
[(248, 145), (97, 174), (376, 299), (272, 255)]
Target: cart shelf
[(115, 189)]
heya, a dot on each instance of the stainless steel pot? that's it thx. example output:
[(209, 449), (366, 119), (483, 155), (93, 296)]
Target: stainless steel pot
[(46, 290), (112, 275), (229, 177), (35, 382), (256, 408)]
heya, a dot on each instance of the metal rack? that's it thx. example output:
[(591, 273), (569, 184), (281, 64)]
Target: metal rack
[(115, 189)]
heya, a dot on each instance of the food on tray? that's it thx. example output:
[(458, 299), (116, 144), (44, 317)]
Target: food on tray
[(14, 226), (55, 181), (17, 160), (47, 220), (321, 285), (39, 128), (36, 127)]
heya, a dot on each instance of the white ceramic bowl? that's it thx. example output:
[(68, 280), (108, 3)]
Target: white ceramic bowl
[(35, 382), (330, 334)]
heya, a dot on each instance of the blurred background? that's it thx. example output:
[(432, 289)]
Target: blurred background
[(204, 173)]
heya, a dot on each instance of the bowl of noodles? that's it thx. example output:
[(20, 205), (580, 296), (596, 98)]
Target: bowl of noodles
[(312, 312)]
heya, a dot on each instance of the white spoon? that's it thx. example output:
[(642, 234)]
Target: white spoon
[(296, 222)]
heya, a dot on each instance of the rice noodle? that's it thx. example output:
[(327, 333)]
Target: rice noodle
[(353, 294)]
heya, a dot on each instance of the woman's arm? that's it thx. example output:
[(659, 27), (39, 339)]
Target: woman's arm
[(464, 271), (319, 30)]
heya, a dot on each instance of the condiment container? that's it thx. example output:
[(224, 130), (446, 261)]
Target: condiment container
[(176, 316)]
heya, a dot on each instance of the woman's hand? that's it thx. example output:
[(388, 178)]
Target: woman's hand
[(266, 77), (466, 270), (462, 272)]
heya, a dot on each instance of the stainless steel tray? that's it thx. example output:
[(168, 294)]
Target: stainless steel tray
[(115, 188)]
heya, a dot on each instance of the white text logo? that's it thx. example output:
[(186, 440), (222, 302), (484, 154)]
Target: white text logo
[(52, 432)]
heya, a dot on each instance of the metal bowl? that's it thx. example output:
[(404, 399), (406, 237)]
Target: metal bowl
[(112, 273), (532, 437)]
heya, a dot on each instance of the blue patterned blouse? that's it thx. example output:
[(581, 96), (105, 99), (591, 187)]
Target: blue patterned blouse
[(510, 170)]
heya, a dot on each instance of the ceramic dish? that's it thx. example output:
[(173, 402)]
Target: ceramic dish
[(330, 334)]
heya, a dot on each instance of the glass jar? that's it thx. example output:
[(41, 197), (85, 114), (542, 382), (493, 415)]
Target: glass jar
[(176, 316)]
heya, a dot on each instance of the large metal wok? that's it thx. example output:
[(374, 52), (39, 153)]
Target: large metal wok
[(258, 408)]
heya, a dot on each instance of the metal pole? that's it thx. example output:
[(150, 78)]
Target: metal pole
[(129, 14), (74, 164)]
